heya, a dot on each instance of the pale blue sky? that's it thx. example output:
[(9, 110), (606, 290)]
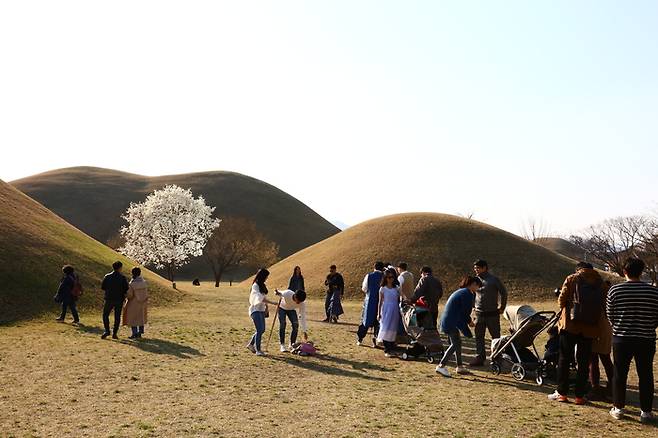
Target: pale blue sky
[(505, 109)]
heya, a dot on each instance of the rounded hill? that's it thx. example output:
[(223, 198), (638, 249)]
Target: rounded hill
[(35, 244), (448, 243), (93, 199)]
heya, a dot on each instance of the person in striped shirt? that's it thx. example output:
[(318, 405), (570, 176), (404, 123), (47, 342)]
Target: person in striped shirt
[(632, 308)]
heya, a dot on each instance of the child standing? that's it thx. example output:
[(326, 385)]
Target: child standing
[(388, 313)]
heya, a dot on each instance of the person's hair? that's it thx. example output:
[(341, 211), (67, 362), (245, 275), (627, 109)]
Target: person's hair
[(393, 274), (481, 263), (426, 270), (260, 278), (300, 295), (402, 265), (136, 272), (332, 267), (379, 266), (469, 280), (584, 265), (67, 269), (294, 271), (553, 331), (117, 265), (633, 267)]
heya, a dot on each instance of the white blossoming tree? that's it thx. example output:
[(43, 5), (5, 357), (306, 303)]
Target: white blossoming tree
[(168, 228)]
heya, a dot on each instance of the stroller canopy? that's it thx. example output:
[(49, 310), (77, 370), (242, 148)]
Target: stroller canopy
[(517, 314)]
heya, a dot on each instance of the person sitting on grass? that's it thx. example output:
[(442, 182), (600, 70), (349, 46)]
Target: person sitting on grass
[(257, 308), (456, 317), (388, 311), (293, 307)]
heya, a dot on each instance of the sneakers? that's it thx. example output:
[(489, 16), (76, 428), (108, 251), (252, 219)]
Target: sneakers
[(283, 349), (59, 319), (463, 371), (556, 396), (580, 401), (645, 417), (618, 414), (359, 342), (114, 336), (105, 335), (261, 353), (442, 370), (251, 348), (389, 355)]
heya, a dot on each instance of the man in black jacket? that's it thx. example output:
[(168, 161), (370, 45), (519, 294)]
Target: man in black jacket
[(429, 287), (115, 286)]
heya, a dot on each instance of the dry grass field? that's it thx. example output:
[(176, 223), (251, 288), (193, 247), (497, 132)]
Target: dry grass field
[(192, 376)]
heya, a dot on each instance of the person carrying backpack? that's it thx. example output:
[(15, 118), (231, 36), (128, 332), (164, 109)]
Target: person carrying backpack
[(68, 293), (582, 303)]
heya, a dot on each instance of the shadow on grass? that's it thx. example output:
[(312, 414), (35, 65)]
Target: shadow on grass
[(312, 365), (150, 345), (339, 323)]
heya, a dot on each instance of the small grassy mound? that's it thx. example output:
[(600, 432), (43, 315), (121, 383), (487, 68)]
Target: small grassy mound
[(93, 200), (561, 246), (35, 244), (448, 243)]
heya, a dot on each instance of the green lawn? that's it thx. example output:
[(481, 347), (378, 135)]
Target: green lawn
[(192, 376)]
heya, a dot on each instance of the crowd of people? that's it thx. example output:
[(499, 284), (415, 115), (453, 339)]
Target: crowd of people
[(596, 319)]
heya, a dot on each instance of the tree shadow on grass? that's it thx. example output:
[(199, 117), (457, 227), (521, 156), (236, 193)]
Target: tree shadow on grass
[(150, 345), (309, 363)]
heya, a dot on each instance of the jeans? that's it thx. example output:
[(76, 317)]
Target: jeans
[(455, 347), (259, 322), (568, 342), (595, 372), (117, 306), (137, 330), (643, 351), (74, 310), (482, 323), (362, 331), (292, 316)]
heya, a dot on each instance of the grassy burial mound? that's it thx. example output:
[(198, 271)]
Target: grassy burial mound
[(94, 199), (35, 244), (561, 246), (448, 243)]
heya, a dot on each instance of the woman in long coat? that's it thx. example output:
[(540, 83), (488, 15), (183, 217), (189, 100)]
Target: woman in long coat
[(134, 311)]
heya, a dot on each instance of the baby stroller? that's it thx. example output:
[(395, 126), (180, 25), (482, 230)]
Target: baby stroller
[(424, 341), (526, 325)]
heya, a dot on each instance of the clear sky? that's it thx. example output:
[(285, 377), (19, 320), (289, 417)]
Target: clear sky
[(358, 108)]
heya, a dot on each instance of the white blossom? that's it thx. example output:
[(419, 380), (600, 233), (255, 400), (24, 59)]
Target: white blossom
[(168, 228)]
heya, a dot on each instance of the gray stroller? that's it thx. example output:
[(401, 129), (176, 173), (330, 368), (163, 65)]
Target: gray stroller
[(424, 341)]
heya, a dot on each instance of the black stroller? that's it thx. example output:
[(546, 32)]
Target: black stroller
[(526, 325), (424, 341)]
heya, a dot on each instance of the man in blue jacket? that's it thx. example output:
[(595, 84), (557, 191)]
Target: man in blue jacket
[(371, 284), (115, 286)]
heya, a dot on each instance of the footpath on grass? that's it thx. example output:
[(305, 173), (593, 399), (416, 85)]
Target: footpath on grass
[(192, 376)]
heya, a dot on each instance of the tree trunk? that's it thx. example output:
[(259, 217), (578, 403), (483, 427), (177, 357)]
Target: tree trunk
[(170, 272), (218, 277)]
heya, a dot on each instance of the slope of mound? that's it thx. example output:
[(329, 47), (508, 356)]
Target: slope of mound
[(35, 244), (93, 200), (449, 244), (561, 246)]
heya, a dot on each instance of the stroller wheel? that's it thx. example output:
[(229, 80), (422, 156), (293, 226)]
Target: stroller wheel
[(404, 356), (430, 359), (518, 372), (539, 379), (495, 368)]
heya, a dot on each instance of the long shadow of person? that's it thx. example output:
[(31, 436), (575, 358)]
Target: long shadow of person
[(310, 364)]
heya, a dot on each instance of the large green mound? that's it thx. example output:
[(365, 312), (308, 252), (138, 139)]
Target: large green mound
[(449, 244), (561, 246), (93, 200), (35, 244)]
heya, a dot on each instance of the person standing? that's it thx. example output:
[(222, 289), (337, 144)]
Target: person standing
[(134, 311), (490, 303), (431, 290), (335, 290), (388, 311), (115, 286), (257, 308), (370, 287), (407, 282), (293, 307), (457, 317), (582, 302), (296, 280), (632, 308), (601, 349), (66, 294)]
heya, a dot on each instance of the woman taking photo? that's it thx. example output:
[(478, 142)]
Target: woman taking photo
[(456, 317), (257, 307)]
